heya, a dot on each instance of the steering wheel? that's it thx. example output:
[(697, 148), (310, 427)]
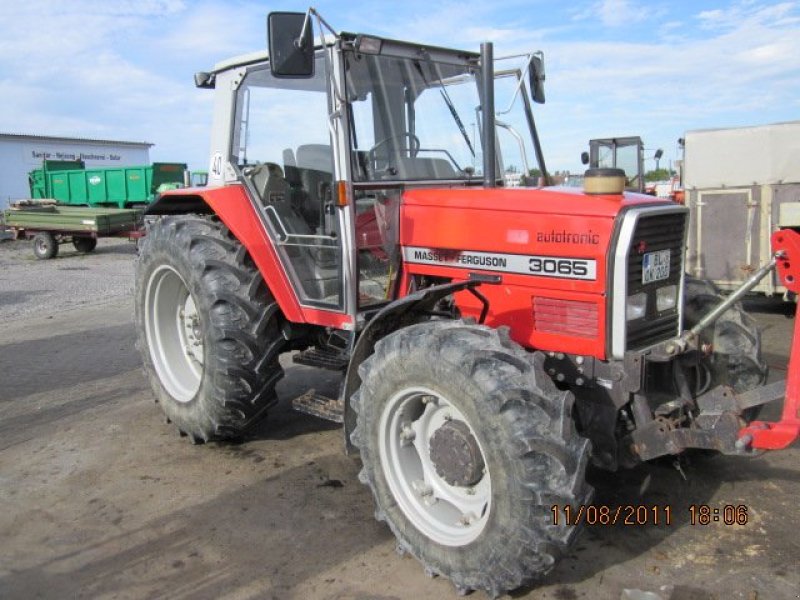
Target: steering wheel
[(413, 147)]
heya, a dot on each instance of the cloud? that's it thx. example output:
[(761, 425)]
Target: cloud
[(86, 69), (216, 31), (747, 13), (123, 69), (618, 13), (744, 71)]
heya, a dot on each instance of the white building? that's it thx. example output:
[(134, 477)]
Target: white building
[(20, 154)]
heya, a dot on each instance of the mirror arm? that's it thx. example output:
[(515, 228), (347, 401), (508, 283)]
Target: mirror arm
[(300, 41), (320, 22)]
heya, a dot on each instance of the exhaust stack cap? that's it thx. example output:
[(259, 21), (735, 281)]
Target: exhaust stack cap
[(604, 181)]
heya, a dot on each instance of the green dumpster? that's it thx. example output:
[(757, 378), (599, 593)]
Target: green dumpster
[(71, 183)]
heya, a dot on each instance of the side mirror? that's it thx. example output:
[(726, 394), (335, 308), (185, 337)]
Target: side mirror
[(291, 49), (659, 153), (585, 158), (204, 80), (536, 73)]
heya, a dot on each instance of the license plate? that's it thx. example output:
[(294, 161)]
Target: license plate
[(655, 266)]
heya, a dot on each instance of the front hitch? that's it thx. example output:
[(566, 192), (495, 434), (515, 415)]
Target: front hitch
[(720, 409)]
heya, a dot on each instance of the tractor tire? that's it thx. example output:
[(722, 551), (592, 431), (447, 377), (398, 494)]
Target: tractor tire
[(466, 445), (736, 340), (84, 245), (45, 245), (208, 328)]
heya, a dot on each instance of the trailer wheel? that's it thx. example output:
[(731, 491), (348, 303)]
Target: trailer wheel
[(84, 245), (45, 245), (207, 328), (736, 360), (466, 445)]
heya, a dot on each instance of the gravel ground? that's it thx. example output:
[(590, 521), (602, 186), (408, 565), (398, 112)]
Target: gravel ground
[(29, 286), (99, 498)]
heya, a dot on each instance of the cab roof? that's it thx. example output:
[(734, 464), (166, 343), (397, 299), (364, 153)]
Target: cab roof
[(389, 46)]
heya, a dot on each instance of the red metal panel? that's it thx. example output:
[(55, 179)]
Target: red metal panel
[(522, 222), (512, 306), (545, 201), (234, 208), (775, 436), (484, 229)]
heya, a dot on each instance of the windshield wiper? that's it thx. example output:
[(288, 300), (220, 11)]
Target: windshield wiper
[(447, 100), (456, 118)]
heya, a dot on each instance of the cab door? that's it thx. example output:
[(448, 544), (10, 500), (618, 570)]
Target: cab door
[(283, 149)]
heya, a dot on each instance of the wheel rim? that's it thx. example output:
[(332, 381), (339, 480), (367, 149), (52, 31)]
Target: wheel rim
[(174, 334), (41, 246), (451, 515)]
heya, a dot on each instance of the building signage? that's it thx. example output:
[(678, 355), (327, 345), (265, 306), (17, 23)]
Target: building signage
[(35, 154)]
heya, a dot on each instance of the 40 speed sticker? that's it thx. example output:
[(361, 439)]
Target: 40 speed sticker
[(523, 264)]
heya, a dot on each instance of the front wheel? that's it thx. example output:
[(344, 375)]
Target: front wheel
[(207, 328), (466, 446)]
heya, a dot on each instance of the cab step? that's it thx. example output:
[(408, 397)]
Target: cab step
[(317, 405), (326, 357)]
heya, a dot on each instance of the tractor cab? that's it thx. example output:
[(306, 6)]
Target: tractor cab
[(326, 138)]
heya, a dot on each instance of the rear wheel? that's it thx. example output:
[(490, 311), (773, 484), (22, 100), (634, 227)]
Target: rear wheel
[(84, 245), (45, 245), (466, 446), (207, 328)]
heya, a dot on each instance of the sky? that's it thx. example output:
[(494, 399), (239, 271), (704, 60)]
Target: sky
[(124, 69)]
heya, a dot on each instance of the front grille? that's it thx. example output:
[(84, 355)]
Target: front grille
[(565, 317), (654, 233)]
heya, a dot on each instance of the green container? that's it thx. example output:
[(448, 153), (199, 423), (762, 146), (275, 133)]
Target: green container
[(116, 186)]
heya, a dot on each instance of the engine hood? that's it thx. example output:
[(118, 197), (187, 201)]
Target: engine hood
[(550, 201)]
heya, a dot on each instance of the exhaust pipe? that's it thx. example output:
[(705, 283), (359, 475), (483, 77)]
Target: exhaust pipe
[(487, 110)]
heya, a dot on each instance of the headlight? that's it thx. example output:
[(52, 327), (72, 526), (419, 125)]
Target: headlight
[(636, 306), (666, 297)]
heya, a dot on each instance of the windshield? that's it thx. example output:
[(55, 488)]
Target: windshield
[(620, 155), (413, 119)]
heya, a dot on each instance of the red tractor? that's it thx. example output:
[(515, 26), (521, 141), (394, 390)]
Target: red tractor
[(493, 340)]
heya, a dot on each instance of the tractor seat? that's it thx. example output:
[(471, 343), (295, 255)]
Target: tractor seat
[(314, 170), (317, 157), (423, 168)]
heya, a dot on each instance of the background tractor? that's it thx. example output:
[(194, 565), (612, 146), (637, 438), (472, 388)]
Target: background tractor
[(625, 153), (493, 341)]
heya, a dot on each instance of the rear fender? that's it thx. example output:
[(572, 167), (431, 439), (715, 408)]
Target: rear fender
[(234, 208), (183, 201)]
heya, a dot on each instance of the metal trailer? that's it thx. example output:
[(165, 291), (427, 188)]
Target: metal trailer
[(70, 182), (741, 185), (49, 225)]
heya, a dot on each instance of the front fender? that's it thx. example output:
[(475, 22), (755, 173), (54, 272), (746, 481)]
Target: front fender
[(401, 313)]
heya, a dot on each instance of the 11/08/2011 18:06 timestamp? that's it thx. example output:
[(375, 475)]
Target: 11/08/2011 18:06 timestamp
[(633, 514)]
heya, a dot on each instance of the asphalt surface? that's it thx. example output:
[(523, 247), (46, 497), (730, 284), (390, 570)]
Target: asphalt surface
[(99, 498)]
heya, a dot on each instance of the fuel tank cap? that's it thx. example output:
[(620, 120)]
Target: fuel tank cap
[(604, 181)]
